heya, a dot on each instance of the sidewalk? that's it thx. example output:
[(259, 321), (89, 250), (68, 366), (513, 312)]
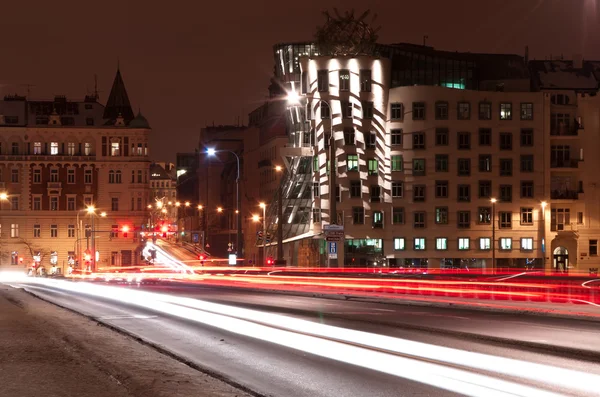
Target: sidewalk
[(45, 350)]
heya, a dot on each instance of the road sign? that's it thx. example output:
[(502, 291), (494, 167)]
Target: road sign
[(333, 228), (337, 239), (332, 250), (334, 233)]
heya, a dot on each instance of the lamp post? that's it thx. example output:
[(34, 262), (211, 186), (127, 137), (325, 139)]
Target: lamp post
[(493, 200), (3, 197), (261, 257), (280, 260), (238, 248), (544, 204)]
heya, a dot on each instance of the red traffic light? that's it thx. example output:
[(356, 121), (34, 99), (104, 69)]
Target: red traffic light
[(270, 261), (21, 260), (201, 257), (164, 229)]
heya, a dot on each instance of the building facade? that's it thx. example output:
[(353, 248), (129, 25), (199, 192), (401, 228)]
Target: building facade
[(60, 157), (163, 190)]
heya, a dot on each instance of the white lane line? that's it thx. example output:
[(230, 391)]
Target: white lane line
[(126, 317), (384, 310)]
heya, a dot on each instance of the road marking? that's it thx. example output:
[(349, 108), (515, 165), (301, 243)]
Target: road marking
[(438, 315), (384, 310), (126, 317)]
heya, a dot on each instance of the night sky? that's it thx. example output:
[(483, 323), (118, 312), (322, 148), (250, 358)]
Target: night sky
[(189, 63)]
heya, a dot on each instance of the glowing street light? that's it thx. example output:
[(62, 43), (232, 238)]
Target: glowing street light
[(187, 203), (3, 196), (293, 98), (91, 209), (103, 214), (219, 209), (255, 218), (200, 207)]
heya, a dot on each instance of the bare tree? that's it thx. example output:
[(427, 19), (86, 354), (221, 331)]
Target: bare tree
[(35, 250)]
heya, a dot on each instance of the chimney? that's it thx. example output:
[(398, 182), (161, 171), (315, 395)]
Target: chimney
[(577, 61)]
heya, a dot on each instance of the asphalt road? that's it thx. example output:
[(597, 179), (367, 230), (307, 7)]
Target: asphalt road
[(272, 369)]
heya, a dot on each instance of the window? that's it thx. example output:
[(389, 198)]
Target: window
[(365, 80), (527, 163), (485, 243), (352, 160), (441, 189), (441, 163), (485, 163), (375, 193), (505, 220), (377, 219), (580, 218), (506, 193), (87, 149), (53, 148), (37, 147), (315, 168), (139, 176), (418, 140), (396, 137), (70, 175), (87, 201), (526, 111), (111, 176), (464, 111), (14, 203), (14, 175), (506, 166), (526, 216), (115, 149), (398, 215), (463, 243), (485, 215), (441, 137), (71, 148), (355, 189), (441, 215), (526, 137), (14, 230), (37, 231), (358, 215), (316, 189), (418, 193), (349, 136), (485, 111), (367, 110), (114, 205), (54, 175), (419, 243), (397, 111), (397, 189), (37, 176), (527, 244), (344, 80), (464, 140), (464, 193), (506, 111), (87, 176), (485, 189), (593, 247), (485, 137), (464, 167), (418, 111), (371, 140), (37, 203), (372, 166), (397, 162), (118, 178), (560, 217), (419, 219), (506, 141), (323, 80), (325, 110), (399, 244), (505, 243), (54, 203), (347, 109), (526, 189), (418, 167), (89, 121), (441, 110), (441, 243), (464, 219), (71, 231), (53, 231), (316, 215), (15, 148), (71, 203)]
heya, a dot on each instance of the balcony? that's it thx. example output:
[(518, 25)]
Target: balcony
[(54, 185), (564, 163), (564, 195), (565, 130)]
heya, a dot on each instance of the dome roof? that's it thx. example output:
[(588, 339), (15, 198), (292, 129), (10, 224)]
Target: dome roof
[(139, 122)]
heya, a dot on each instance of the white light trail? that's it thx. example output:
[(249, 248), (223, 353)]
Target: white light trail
[(368, 350)]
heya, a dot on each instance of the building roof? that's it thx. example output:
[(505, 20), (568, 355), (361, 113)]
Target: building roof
[(118, 101), (139, 122), (563, 75), (157, 171)]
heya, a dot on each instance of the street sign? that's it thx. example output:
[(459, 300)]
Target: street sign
[(333, 228), (332, 249), (334, 238), (334, 233)]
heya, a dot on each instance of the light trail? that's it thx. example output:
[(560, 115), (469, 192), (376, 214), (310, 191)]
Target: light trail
[(386, 354)]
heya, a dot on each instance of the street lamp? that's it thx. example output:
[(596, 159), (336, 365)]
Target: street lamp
[(279, 219), (212, 152), (264, 238), (544, 204), (493, 200)]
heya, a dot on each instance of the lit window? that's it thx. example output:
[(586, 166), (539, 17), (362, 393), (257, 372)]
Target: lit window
[(485, 243), (37, 147), (463, 243), (53, 148), (71, 148), (14, 230), (419, 243), (399, 243), (505, 243), (441, 243), (397, 162), (527, 244), (506, 111), (115, 149), (87, 148)]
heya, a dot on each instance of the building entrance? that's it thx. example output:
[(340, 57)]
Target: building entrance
[(560, 260)]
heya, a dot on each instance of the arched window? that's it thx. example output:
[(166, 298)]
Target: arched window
[(111, 176), (118, 177)]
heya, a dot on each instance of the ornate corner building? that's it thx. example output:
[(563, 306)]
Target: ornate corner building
[(59, 157), (442, 159)]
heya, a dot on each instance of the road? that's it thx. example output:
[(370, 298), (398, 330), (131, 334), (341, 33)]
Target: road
[(272, 353)]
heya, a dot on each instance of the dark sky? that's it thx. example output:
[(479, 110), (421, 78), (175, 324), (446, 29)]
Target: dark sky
[(189, 63)]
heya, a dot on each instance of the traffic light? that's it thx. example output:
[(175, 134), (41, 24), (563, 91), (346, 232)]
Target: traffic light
[(270, 261), (125, 229), (21, 260)]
